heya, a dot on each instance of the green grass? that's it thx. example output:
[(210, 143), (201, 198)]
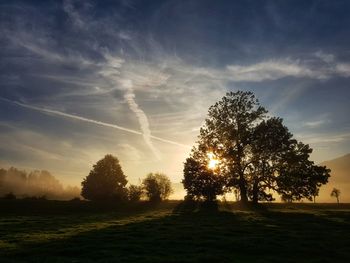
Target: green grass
[(52, 231)]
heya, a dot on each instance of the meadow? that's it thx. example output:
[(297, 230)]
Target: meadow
[(173, 231)]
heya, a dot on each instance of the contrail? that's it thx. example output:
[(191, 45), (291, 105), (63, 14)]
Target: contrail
[(141, 116), (105, 124)]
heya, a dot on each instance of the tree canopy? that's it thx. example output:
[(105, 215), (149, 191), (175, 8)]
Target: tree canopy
[(335, 193), (105, 181), (251, 152), (157, 187)]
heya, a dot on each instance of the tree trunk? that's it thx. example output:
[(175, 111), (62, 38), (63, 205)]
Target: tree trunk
[(338, 200), (255, 192), (243, 189)]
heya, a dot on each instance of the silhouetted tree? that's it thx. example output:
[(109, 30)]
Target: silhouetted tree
[(201, 182), (336, 193), (157, 187), (105, 181), (134, 193), (256, 155), (227, 134)]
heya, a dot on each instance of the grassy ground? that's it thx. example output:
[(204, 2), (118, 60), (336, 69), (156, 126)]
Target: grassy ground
[(49, 231)]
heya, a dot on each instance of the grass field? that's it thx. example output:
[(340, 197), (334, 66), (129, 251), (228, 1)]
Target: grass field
[(53, 231)]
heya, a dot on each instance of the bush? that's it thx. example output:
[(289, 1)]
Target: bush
[(134, 193)]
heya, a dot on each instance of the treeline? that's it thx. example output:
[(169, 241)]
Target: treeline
[(15, 183)]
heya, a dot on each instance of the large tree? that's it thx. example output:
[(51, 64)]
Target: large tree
[(105, 181), (227, 133), (256, 154)]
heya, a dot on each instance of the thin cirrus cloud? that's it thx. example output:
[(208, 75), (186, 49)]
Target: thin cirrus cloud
[(280, 68)]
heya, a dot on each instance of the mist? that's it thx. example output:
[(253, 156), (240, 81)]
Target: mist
[(35, 184)]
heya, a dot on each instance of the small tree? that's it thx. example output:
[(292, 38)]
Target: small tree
[(134, 193), (105, 181), (336, 193), (157, 187)]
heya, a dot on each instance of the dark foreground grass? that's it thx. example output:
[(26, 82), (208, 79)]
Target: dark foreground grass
[(172, 232)]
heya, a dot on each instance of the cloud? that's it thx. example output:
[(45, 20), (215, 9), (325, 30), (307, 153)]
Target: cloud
[(328, 58), (315, 124), (269, 70), (343, 69), (317, 138), (73, 14)]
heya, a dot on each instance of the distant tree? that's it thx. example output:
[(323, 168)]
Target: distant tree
[(201, 182), (134, 193), (44, 183), (34, 184), (105, 181), (157, 187), (335, 193), (10, 196), (2, 179)]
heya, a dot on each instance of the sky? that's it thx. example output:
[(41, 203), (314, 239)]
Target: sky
[(82, 79)]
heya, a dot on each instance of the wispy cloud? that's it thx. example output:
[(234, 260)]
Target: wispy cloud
[(314, 124), (269, 70), (317, 138), (326, 57)]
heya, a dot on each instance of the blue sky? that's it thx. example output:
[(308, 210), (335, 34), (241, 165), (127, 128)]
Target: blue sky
[(80, 79)]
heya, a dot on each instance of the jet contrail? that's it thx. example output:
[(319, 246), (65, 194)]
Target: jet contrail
[(143, 120), (105, 124), (140, 115)]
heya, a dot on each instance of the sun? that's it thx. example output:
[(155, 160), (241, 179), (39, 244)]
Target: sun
[(213, 162)]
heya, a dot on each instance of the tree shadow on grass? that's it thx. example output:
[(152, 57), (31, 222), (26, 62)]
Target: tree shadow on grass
[(201, 234)]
